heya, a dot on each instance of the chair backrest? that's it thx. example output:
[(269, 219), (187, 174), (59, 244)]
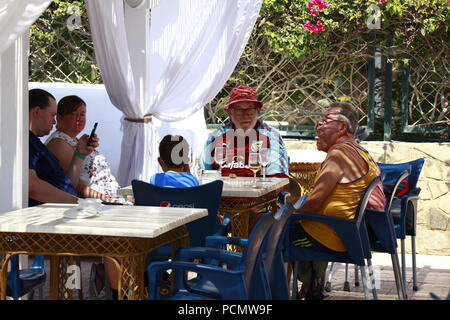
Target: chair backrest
[(255, 276), (274, 255), (204, 196), (392, 171), (275, 237)]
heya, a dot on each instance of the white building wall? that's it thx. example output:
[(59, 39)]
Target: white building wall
[(101, 110)]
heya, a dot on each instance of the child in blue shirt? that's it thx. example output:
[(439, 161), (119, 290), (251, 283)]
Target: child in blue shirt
[(173, 159)]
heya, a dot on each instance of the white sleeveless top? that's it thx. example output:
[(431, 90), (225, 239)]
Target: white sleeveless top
[(95, 171)]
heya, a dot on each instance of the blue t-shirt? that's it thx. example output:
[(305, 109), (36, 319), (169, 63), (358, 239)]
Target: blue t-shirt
[(172, 179), (47, 168)]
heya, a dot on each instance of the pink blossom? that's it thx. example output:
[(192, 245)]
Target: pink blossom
[(381, 1), (315, 6)]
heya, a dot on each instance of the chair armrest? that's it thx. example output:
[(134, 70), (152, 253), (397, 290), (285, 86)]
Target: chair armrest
[(229, 283), (223, 227), (337, 224), (300, 201), (408, 217), (231, 258), (319, 217), (382, 225), (345, 229)]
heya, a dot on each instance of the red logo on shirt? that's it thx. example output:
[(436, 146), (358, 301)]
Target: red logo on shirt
[(164, 204)]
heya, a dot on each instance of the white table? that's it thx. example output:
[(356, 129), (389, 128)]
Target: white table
[(234, 187), (123, 233), (306, 155), (239, 197), (304, 166), (243, 186)]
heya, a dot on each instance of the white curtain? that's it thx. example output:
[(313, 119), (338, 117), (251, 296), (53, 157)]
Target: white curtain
[(194, 47), (16, 17)]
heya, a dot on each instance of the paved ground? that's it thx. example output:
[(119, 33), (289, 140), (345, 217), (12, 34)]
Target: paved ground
[(433, 276)]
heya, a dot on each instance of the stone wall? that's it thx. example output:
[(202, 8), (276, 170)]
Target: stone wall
[(433, 216)]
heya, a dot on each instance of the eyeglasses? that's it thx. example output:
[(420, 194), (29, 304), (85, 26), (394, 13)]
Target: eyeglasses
[(326, 118), (247, 111), (330, 117)]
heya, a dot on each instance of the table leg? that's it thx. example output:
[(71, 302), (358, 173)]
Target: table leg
[(59, 288), (131, 277), (3, 276), (239, 228), (180, 243)]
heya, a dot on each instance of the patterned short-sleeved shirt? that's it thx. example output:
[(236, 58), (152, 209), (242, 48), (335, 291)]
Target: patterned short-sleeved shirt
[(95, 172), (239, 146)]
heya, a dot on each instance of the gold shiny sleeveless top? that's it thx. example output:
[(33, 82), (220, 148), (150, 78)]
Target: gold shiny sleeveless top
[(342, 203)]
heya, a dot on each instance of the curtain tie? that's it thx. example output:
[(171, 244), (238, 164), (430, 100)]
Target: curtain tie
[(147, 118)]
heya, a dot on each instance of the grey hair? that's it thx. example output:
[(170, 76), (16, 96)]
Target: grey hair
[(348, 115)]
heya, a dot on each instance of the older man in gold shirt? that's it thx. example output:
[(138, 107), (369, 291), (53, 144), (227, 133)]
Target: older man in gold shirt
[(345, 174)]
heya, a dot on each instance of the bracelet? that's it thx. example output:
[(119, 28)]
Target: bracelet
[(77, 154)]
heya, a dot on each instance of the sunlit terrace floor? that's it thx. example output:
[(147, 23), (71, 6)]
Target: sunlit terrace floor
[(433, 275)]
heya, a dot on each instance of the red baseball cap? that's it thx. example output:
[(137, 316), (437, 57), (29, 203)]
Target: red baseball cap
[(243, 93)]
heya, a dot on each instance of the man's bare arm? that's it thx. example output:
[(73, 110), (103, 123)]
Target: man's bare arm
[(43, 191), (330, 174)]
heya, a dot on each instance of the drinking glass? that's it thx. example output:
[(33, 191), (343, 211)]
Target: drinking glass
[(220, 157), (264, 158), (254, 165)]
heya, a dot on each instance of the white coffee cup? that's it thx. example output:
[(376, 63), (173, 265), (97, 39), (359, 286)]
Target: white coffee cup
[(89, 203)]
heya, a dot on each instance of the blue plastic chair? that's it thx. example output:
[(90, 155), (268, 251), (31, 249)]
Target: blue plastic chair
[(273, 258), (246, 279), (382, 225), (204, 196), (25, 281), (352, 232), (404, 208)]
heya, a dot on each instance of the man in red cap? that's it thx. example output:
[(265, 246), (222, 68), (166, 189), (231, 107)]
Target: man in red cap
[(244, 134)]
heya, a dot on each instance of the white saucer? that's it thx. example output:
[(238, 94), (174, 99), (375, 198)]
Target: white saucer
[(81, 213)]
